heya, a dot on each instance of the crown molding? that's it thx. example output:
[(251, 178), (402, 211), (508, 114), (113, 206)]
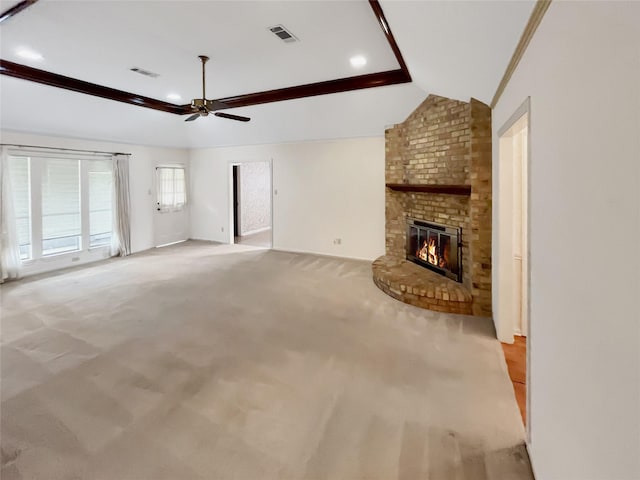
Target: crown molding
[(536, 17)]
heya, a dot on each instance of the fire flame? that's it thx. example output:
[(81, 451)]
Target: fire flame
[(429, 253)]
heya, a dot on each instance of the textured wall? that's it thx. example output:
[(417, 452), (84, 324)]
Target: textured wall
[(255, 196), (445, 142)]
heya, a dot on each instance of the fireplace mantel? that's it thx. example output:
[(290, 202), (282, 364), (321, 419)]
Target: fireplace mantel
[(431, 188)]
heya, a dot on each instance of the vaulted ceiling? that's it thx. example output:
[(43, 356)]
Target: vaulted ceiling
[(456, 49)]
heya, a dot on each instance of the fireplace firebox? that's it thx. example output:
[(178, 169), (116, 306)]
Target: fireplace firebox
[(436, 247)]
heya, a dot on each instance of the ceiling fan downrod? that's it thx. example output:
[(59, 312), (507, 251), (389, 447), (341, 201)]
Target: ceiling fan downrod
[(204, 60)]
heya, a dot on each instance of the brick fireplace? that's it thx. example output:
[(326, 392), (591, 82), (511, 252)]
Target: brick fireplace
[(438, 172)]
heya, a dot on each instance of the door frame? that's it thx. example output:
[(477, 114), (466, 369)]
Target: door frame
[(523, 110), (505, 331), (235, 202), (230, 209)]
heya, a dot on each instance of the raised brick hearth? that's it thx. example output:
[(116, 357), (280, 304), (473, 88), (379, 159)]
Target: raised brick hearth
[(447, 143), (409, 283)]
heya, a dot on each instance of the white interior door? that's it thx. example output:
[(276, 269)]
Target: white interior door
[(171, 216)]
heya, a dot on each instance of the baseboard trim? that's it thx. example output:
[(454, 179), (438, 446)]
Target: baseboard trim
[(326, 255)]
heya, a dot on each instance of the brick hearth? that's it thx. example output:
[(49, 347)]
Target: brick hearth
[(443, 142), (409, 283)]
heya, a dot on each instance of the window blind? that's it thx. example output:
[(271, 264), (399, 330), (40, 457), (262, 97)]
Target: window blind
[(61, 216), (19, 174), (100, 202), (62, 203)]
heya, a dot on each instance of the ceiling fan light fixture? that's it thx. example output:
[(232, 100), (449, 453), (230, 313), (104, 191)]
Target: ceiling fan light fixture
[(174, 96)]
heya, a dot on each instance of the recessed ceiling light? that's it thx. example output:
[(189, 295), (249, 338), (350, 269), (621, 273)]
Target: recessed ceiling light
[(174, 96), (29, 54), (358, 61)]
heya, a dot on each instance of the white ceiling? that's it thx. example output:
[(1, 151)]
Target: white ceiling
[(100, 41), (456, 49)]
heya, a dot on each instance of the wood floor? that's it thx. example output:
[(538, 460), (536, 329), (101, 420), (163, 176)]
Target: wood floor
[(202, 361), (516, 357)]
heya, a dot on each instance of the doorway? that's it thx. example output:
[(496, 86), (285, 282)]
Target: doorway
[(236, 201), (251, 204), (512, 309)]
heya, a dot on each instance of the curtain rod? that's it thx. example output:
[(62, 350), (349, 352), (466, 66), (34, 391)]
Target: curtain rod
[(64, 149)]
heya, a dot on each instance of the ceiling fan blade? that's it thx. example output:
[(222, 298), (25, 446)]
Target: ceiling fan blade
[(216, 105), (192, 117), (232, 117)]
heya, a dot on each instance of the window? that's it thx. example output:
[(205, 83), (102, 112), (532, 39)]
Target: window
[(100, 202), (171, 188), (20, 186), (61, 229), (62, 204)]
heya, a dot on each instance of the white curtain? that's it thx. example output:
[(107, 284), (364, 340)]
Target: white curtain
[(10, 263), (121, 238)]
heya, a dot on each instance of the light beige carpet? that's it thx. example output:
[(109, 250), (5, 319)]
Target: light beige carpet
[(202, 361)]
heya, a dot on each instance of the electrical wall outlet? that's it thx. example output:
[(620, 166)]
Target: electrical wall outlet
[(222, 229), (337, 241)]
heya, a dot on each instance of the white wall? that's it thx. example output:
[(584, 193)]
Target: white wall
[(325, 190), (142, 175), (255, 197), (582, 72)]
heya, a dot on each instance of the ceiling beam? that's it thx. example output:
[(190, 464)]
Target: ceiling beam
[(16, 9), (359, 82), (386, 29), (25, 72)]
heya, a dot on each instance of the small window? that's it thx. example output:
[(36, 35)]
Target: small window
[(172, 189)]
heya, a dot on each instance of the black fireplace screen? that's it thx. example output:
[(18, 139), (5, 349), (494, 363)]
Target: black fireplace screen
[(436, 247)]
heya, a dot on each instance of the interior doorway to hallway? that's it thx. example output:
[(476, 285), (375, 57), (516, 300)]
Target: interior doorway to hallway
[(251, 206), (516, 139), (512, 311)]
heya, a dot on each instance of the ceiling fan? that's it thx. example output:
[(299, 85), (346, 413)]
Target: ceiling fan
[(202, 107)]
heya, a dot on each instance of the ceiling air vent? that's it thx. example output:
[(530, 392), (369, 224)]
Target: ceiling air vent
[(144, 72), (283, 34)]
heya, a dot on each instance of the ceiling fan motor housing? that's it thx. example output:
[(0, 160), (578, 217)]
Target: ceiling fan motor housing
[(198, 103)]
